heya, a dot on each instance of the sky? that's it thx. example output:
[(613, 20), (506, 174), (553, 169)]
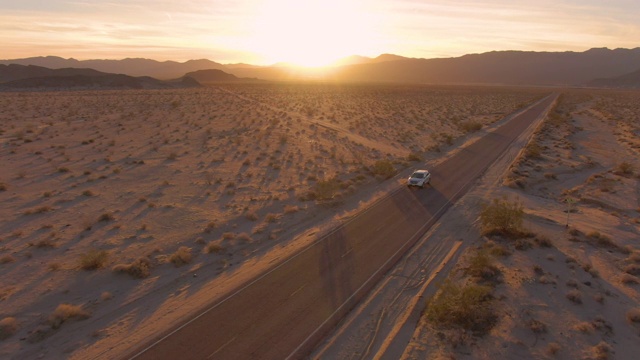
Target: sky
[(309, 32)]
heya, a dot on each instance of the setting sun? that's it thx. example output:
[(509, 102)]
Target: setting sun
[(311, 33)]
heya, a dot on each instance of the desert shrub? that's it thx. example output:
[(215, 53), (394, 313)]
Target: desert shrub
[(470, 126), (502, 216), (271, 218), (93, 259), (88, 193), (181, 257), (543, 241), (214, 248), (106, 217), (624, 168), (537, 326), (63, 170), (326, 189), (633, 269), (7, 259), (3, 187), (383, 168), (65, 312), (552, 348), (414, 157), (290, 209), (601, 351), (601, 239), (574, 296), (482, 266), (8, 327), (139, 268), (228, 235), (533, 151), (210, 226), (251, 216), (633, 315), (244, 237), (468, 307)]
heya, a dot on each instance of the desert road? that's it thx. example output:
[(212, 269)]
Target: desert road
[(286, 311)]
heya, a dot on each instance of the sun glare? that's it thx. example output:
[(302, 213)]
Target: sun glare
[(311, 33)]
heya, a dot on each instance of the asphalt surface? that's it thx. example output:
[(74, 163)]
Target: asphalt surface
[(285, 312)]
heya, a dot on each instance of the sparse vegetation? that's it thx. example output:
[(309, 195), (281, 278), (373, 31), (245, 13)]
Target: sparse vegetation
[(8, 327), (502, 217), (181, 257), (383, 168), (93, 259), (139, 268), (468, 307), (66, 312)]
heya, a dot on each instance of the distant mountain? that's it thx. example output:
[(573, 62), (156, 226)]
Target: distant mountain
[(629, 81), (20, 77), (500, 67), (133, 67), (496, 67), (216, 76)]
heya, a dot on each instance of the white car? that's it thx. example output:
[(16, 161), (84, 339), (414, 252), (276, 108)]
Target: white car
[(419, 178)]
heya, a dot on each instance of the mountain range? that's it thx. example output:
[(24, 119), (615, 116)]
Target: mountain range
[(588, 68)]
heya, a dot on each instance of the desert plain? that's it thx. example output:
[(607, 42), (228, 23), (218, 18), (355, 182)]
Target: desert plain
[(124, 212)]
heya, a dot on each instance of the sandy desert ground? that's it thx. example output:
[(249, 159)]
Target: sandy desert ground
[(562, 292), (125, 211)]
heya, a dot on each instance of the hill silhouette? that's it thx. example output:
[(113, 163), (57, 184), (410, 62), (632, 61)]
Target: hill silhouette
[(631, 81), (496, 67), (14, 77)]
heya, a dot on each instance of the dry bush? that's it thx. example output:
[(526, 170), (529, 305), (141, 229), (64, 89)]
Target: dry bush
[(633, 315), (468, 307), (290, 209), (633, 269), (251, 216), (93, 259), (482, 266), (574, 296), (65, 312), (502, 217), (214, 248), (537, 326), (7, 259), (228, 235), (543, 241), (552, 348), (3, 187), (244, 237), (624, 168), (602, 240), (181, 257), (139, 268), (325, 189), (383, 168), (602, 351), (106, 217), (8, 327), (470, 126), (210, 226)]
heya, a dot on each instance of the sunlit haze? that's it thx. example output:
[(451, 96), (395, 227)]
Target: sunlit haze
[(308, 33)]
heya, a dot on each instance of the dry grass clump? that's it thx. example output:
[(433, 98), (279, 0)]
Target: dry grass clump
[(633, 315), (182, 256), (602, 240), (106, 217), (3, 186), (139, 268), (383, 168), (482, 266), (624, 169), (502, 217), (468, 307), (93, 259), (65, 312), (290, 209), (574, 296), (215, 248), (602, 351), (210, 226), (7, 259), (8, 327), (552, 348), (470, 126)]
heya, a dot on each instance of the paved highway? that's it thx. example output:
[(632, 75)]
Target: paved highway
[(285, 312)]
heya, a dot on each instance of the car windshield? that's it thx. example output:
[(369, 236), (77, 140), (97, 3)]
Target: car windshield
[(417, 175)]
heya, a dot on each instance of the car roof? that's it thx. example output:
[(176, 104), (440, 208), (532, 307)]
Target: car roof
[(421, 171)]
